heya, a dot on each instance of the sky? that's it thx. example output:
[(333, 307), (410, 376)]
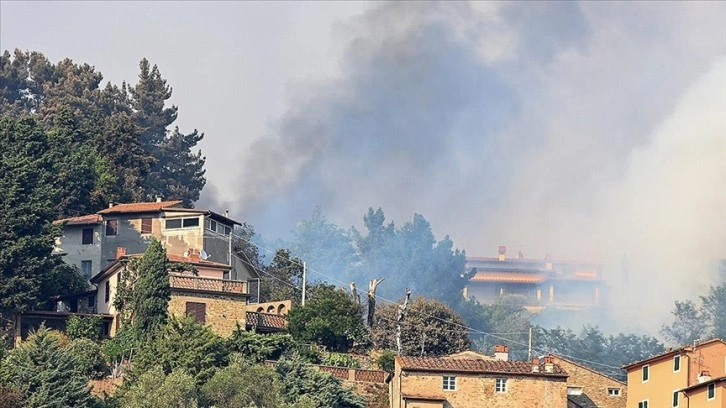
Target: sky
[(590, 130)]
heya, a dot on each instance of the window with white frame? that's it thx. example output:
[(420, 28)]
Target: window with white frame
[(675, 399), (676, 364), (646, 373), (643, 404), (573, 390), (449, 383), (500, 385), (711, 392), (613, 392)]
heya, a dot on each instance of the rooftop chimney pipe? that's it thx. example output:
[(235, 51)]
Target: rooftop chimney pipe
[(501, 352), (502, 253)]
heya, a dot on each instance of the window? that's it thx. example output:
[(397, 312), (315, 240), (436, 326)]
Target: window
[(146, 225), (173, 224), (449, 383), (108, 291), (196, 310), (212, 225), (613, 392), (574, 390), (111, 227), (500, 385), (87, 236), (646, 373), (675, 399), (676, 364), (177, 223), (86, 268), (643, 404), (711, 391), (190, 222)]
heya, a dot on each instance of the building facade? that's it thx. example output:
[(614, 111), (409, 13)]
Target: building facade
[(711, 393), (659, 381), (587, 388), (91, 242), (540, 283), (440, 382)]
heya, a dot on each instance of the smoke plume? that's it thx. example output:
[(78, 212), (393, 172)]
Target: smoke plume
[(589, 130)]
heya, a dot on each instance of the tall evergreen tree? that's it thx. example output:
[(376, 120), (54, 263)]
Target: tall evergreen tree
[(44, 373), (150, 295), (178, 171), (29, 275)]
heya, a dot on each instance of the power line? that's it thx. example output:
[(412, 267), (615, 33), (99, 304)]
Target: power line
[(471, 329)]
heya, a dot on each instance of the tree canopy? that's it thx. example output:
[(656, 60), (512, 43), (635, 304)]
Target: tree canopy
[(692, 321)]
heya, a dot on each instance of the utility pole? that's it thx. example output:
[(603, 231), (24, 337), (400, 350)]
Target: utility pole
[(305, 273), (529, 354), (401, 314)]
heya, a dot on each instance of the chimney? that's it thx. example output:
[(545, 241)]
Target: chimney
[(501, 352), (158, 199), (548, 262), (120, 252), (704, 377), (502, 253), (226, 213), (110, 204), (193, 255), (535, 365), (549, 364)]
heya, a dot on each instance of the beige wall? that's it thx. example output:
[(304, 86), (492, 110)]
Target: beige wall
[(699, 398), (223, 313), (477, 390), (663, 381), (594, 385)]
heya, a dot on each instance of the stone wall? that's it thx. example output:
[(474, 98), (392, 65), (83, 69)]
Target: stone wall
[(594, 385), (223, 313), (477, 390)]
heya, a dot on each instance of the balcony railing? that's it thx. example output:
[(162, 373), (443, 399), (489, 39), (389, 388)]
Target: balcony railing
[(208, 284)]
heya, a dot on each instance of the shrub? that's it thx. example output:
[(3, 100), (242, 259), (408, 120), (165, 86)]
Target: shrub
[(84, 327), (387, 360), (88, 358), (341, 360)]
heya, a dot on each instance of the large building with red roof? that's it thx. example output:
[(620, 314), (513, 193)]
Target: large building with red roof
[(537, 283)]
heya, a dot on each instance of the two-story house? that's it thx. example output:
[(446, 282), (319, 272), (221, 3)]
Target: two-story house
[(90, 241), (709, 393), (443, 382), (665, 380), (587, 388), (541, 283)]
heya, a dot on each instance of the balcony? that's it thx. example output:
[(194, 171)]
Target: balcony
[(207, 284)]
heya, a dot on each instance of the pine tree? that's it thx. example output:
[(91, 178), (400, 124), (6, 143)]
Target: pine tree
[(44, 373), (178, 172)]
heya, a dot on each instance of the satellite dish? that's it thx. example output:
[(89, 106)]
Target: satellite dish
[(203, 254)]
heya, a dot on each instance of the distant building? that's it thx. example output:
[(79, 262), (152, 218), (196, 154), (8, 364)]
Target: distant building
[(539, 283), (675, 379), (444, 382), (587, 388), (90, 242)]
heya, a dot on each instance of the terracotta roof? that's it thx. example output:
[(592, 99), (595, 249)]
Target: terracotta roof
[(592, 370), (508, 277), (669, 353), (140, 207), (423, 398), (704, 384), (81, 220), (173, 258), (475, 366)]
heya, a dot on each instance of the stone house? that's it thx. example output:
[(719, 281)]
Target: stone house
[(587, 388), (665, 380), (441, 382), (208, 296)]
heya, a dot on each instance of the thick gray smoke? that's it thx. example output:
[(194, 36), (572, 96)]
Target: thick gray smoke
[(590, 130)]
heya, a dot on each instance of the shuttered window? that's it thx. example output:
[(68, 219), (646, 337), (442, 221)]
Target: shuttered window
[(146, 225), (197, 310)]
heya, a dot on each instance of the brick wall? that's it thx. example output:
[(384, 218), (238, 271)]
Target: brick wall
[(223, 313), (594, 385), (477, 390)]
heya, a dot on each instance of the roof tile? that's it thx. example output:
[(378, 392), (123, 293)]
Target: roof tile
[(140, 207), (476, 366)]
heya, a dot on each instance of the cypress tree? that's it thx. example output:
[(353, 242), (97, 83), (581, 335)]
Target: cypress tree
[(44, 373), (151, 294)]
